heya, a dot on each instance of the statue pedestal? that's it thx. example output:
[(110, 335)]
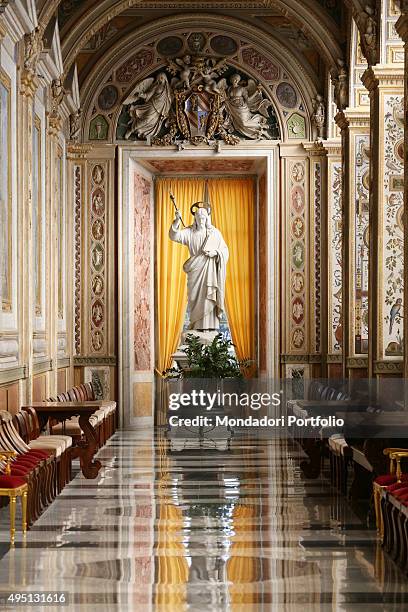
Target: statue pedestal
[(205, 338)]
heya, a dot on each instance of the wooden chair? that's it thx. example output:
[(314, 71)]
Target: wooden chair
[(36, 466), (13, 487), (394, 477)]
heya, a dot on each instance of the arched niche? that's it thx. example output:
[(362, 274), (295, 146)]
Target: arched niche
[(254, 55)]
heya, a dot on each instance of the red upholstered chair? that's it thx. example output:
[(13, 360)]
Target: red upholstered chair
[(61, 445), (36, 466), (390, 482), (13, 487)]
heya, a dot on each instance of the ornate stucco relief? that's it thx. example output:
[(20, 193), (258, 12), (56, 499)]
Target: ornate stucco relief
[(335, 258), (392, 225)]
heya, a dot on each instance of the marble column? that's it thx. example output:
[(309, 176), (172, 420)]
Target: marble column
[(386, 267)]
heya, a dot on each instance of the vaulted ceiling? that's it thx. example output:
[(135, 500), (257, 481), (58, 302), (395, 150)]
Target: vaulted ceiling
[(312, 30)]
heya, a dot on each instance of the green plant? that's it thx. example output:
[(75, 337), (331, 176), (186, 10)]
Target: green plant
[(214, 360)]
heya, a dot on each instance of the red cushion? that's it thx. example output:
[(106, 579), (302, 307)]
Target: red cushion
[(21, 471), (389, 479), (28, 459), (11, 482), (394, 487), (43, 454), (386, 480), (27, 462), (400, 492)]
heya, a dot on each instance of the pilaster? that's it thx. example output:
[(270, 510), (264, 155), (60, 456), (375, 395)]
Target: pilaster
[(318, 253), (386, 266), (354, 124), (28, 87), (332, 256), (402, 29)]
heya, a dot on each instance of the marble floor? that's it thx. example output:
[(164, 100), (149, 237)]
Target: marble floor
[(236, 529)]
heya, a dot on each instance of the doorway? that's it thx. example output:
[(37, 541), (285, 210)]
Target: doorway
[(140, 172)]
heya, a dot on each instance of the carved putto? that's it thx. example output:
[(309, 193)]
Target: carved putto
[(340, 81), (368, 28), (33, 46), (201, 101), (57, 95), (75, 125), (319, 115)]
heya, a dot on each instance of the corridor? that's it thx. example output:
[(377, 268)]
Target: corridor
[(229, 529)]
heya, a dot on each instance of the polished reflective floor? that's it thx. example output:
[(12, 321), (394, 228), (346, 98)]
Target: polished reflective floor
[(238, 528)]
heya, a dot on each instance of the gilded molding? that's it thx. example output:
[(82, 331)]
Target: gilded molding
[(388, 367), (312, 358), (334, 358), (357, 362), (28, 84), (88, 361), (78, 151)]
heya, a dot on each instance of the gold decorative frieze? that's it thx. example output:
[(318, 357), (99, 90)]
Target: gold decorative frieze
[(88, 361), (388, 367)]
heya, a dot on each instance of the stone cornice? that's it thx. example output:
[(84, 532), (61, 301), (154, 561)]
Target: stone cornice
[(384, 76), (78, 151), (315, 149), (333, 148), (356, 117)]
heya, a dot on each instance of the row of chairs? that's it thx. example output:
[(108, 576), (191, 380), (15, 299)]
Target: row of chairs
[(36, 467), (103, 420), (34, 462)]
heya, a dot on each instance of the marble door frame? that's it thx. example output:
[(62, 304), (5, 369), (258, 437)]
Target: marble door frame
[(130, 157)]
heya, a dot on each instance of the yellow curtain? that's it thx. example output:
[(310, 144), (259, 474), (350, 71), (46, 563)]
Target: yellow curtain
[(233, 213), (171, 279)]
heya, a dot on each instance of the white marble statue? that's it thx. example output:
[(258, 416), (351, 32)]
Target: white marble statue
[(247, 107), (205, 269), (146, 119)]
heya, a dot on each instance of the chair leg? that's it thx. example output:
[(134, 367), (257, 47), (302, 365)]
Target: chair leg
[(12, 517), (24, 510)]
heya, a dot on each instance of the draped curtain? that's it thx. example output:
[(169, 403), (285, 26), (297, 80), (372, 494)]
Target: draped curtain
[(233, 213)]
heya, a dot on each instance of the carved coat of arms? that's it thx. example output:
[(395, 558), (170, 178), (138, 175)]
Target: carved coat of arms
[(203, 100)]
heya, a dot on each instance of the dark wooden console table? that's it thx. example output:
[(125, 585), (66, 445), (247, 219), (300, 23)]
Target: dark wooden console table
[(63, 411)]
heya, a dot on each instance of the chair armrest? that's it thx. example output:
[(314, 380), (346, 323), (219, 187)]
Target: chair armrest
[(396, 456), (388, 451), (7, 456)]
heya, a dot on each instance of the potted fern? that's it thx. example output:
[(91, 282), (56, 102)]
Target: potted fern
[(215, 360)]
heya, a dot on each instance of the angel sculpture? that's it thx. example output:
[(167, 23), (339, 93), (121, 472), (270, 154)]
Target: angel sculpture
[(185, 68), (247, 107), (147, 118)]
